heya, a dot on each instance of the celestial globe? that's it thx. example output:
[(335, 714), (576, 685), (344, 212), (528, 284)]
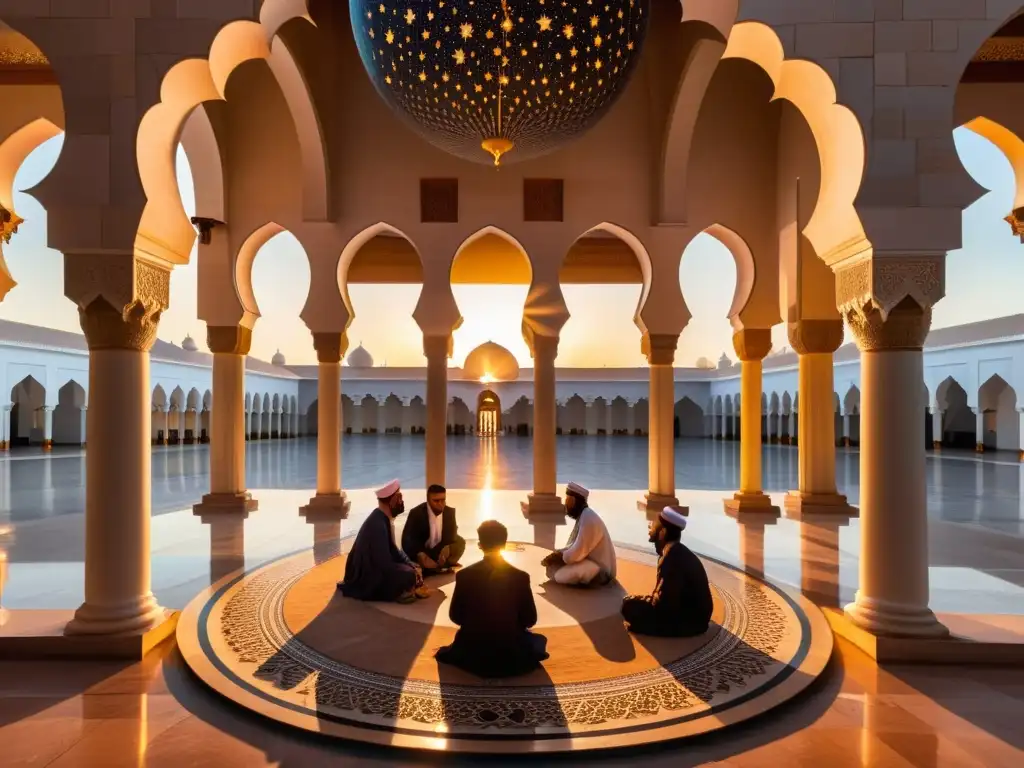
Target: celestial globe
[(500, 80)]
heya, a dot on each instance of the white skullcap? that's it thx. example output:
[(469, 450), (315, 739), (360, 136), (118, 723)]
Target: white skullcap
[(577, 489), (388, 490), (672, 516)]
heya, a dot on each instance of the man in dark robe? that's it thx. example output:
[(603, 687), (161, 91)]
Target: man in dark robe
[(376, 568), (681, 604), (494, 609), (431, 534)]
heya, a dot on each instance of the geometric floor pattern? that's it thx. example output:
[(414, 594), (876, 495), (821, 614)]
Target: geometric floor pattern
[(282, 642)]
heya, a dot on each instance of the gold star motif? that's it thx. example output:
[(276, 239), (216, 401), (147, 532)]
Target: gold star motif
[(389, 36), (410, 16), (544, 23), (568, 31), (466, 31), (459, 56)]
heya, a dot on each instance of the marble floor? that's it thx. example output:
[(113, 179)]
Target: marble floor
[(155, 713), (963, 487)]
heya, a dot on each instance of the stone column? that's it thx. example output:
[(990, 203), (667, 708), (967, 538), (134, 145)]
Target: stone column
[(1020, 428), (937, 414), (893, 594), (382, 416), (330, 502), (751, 345), (815, 341), (47, 427), (544, 500), (979, 429), (437, 349), (589, 417), (661, 461), (82, 430), (120, 299), (228, 495), (846, 430)]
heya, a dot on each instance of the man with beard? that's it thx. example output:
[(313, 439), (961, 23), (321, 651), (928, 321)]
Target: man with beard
[(589, 559), (681, 604), (376, 568), (431, 534), (493, 607)]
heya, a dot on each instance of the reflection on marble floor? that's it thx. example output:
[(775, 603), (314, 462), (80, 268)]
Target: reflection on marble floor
[(963, 487), (973, 570)]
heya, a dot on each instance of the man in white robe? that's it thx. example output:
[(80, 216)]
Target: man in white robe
[(589, 558)]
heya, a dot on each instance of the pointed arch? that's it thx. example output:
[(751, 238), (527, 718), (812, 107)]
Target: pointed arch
[(165, 230), (473, 262), (834, 228)]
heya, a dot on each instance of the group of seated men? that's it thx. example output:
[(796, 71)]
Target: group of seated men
[(493, 604)]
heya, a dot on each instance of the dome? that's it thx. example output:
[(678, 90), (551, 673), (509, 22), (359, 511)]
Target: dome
[(491, 361), (277, 359), (189, 344), (359, 358)]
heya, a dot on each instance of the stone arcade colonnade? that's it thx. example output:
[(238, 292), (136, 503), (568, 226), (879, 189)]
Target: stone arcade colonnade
[(886, 253)]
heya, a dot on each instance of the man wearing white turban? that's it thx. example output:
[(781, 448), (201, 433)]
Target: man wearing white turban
[(589, 559), (681, 603)]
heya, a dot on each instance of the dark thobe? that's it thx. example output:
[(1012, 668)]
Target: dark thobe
[(681, 604), (376, 568), (494, 609), (417, 532)]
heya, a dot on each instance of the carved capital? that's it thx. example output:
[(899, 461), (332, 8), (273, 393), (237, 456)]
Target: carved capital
[(659, 348), (752, 344), (544, 348), (904, 329), (229, 339), (204, 227), (883, 281), (119, 297), (813, 337), (1016, 222), (330, 346), (9, 223)]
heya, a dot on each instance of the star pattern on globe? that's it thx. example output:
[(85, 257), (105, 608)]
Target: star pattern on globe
[(516, 77)]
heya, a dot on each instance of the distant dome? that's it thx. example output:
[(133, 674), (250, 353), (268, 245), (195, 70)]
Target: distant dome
[(492, 361), (359, 358), (189, 344), (277, 359)]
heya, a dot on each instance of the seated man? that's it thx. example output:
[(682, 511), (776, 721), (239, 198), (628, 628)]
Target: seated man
[(431, 535), (376, 568), (589, 559), (681, 604), (494, 609)]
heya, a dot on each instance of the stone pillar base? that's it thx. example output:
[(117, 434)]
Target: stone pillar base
[(542, 505), (743, 504), (936, 445), (846, 442), (221, 504), (4, 445), (785, 439), (137, 617), (803, 505), (894, 620), (47, 445), (326, 507), (979, 447), (653, 503)]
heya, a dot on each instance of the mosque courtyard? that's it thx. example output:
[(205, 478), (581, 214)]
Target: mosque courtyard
[(856, 714)]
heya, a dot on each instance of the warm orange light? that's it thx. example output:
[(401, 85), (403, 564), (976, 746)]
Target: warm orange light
[(486, 378)]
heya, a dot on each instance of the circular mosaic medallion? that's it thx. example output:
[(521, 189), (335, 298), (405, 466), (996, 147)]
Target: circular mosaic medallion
[(283, 642)]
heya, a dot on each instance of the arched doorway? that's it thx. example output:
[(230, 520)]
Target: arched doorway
[(488, 414)]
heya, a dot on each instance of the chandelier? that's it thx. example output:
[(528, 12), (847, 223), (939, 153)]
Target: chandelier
[(486, 79)]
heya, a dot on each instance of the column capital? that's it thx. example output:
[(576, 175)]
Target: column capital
[(659, 348), (1016, 222), (330, 346), (9, 223), (437, 346), (205, 226), (752, 344), (905, 328), (812, 337), (229, 339), (882, 281), (119, 297)]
